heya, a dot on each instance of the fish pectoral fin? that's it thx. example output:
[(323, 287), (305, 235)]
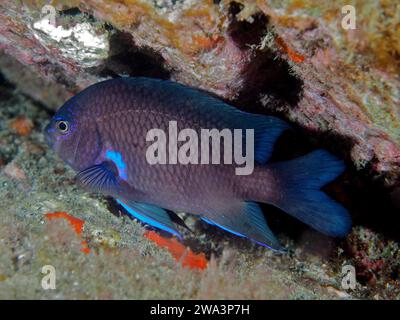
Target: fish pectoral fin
[(151, 214), (244, 219), (101, 178)]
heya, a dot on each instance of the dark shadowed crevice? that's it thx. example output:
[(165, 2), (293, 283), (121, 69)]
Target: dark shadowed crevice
[(244, 33), (370, 202), (125, 59), (73, 15), (74, 11), (6, 88), (266, 75)]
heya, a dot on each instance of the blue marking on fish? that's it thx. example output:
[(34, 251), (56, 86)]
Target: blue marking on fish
[(116, 158), (222, 227)]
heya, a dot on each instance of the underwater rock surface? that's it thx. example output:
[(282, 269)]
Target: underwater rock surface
[(292, 59)]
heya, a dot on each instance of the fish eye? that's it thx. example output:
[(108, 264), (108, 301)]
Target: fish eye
[(62, 126)]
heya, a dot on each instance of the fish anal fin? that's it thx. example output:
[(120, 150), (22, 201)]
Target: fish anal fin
[(244, 219)]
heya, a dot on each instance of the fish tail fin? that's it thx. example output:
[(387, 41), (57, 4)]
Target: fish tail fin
[(300, 181)]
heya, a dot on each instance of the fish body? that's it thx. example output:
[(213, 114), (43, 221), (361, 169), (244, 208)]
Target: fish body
[(102, 133)]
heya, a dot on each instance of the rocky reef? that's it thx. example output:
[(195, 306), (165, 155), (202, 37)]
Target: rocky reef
[(338, 87)]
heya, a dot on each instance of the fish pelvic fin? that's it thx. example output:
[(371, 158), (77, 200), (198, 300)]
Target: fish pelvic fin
[(300, 181), (244, 219), (151, 214)]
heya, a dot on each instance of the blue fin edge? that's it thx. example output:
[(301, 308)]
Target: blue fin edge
[(148, 220), (241, 235)]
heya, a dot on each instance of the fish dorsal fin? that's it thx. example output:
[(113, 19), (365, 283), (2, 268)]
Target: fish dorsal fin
[(102, 178), (244, 219), (151, 214), (266, 131)]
